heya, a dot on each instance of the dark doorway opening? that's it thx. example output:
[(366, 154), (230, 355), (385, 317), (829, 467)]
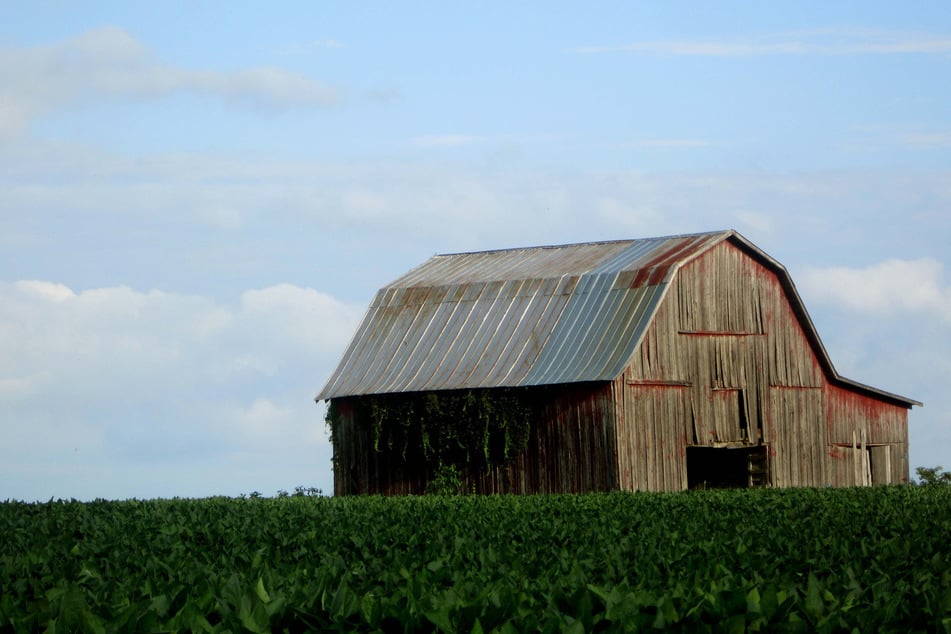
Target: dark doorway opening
[(727, 467)]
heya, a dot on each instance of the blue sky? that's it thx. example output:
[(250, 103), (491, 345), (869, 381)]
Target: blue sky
[(198, 200)]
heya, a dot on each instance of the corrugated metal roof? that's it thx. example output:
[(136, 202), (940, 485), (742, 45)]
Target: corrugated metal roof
[(514, 317), (531, 316)]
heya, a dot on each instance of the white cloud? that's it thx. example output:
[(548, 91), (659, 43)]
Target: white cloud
[(273, 422), (300, 317), (119, 379), (108, 63), (121, 340), (887, 288), (46, 290), (811, 42)]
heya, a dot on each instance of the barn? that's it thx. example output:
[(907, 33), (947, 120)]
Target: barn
[(655, 364)]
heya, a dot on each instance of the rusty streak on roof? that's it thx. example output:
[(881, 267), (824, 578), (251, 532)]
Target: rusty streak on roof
[(531, 316), (512, 317)]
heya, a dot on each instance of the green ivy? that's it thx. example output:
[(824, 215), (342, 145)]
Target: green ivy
[(469, 430)]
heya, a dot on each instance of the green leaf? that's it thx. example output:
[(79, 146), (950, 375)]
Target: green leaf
[(735, 624), (253, 620), (370, 609), (261, 592), (814, 603), (160, 605), (440, 617), (575, 627), (92, 622), (199, 623), (753, 601), (340, 604)]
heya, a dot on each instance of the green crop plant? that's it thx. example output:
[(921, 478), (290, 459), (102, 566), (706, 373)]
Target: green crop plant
[(804, 560)]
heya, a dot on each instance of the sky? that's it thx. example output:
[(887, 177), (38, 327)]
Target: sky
[(198, 200)]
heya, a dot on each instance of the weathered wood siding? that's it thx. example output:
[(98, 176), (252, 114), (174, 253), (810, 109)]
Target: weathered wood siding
[(571, 450), (726, 361), (653, 428), (797, 437), (359, 468), (868, 439)]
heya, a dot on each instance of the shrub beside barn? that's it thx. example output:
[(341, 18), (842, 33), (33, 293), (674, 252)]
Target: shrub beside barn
[(657, 364)]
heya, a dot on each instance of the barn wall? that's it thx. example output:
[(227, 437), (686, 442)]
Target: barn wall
[(868, 439), (653, 429), (726, 362), (797, 436), (360, 468), (571, 449)]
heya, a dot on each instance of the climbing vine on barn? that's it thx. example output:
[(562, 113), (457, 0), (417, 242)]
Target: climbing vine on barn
[(471, 430)]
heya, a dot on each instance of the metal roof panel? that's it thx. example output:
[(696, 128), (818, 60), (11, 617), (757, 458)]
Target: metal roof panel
[(528, 316), (510, 317)]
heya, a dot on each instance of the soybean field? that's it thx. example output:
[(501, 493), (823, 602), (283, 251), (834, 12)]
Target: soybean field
[(802, 560)]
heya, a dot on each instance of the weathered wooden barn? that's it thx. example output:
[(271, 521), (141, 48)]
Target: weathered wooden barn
[(665, 363)]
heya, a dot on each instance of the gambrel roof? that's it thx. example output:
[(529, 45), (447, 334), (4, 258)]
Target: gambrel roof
[(528, 316)]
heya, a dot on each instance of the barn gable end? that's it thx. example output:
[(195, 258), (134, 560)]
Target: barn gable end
[(666, 363)]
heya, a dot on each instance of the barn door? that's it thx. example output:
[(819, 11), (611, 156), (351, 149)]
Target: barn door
[(880, 464), (727, 467)]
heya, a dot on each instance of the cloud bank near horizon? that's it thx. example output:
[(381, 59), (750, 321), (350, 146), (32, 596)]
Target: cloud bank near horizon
[(114, 373)]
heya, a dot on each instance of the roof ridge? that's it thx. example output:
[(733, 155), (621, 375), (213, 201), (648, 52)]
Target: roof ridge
[(582, 244)]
